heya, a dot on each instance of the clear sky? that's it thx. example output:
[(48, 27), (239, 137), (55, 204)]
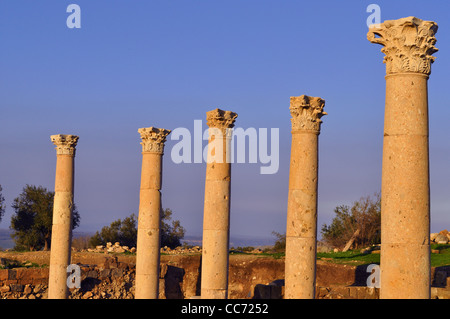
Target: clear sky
[(136, 64)]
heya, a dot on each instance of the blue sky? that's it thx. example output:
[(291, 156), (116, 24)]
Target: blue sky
[(136, 64)]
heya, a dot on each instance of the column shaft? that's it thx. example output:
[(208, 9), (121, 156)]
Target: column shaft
[(405, 198), (301, 234), (405, 190), (61, 240), (216, 225), (301, 230), (216, 218), (149, 219)]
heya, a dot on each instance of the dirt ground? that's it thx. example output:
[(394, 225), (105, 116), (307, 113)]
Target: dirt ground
[(42, 258)]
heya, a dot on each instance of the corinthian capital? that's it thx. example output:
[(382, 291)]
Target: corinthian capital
[(306, 112), (153, 139), (408, 44), (65, 144), (220, 119)]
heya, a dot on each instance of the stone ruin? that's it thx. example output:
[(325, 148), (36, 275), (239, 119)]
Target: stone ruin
[(408, 45)]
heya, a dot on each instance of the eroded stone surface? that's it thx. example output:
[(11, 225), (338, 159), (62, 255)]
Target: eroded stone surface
[(301, 232), (149, 219), (408, 44), (405, 200), (62, 215), (306, 112), (153, 139), (216, 218), (65, 144)]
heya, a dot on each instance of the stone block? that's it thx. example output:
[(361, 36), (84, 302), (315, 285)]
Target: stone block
[(5, 288), (163, 270), (27, 289), (122, 266), (40, 276), (276, 292), (116, 272), (441, 239), (364, 292), (321, 292), (440, 293), (3, 275), (440, 278), (16, 287), (25, 275), (342, 291), (12, 274), (105, 273), (92, 274), (262, 292)]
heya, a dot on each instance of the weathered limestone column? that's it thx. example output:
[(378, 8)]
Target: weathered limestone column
[(149, 219), (301, 231), (216, 218), (62, 215), (405, 191)]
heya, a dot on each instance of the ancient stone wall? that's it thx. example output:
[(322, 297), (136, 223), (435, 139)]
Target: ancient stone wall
[(249, 277)]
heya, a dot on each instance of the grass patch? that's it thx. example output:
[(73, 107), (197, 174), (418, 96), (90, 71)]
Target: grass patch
[(441, 259), (274, 255), (9, 264), (355, 257), (352, 257)]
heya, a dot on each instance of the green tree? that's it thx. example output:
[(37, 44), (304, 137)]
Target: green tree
[(364, 215), (171, 234), (280, 243), (2, 204), (32, 221), (125, 232), (122, 231)]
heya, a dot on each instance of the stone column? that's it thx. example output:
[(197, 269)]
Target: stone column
[(301, 230), (62, 215), (149, 219), (216, 218), (405, 191)]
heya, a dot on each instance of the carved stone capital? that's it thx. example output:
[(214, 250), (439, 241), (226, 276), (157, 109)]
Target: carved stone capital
[(306, 112), (65, 144), (223, 120), (408, 44), (153, 139)]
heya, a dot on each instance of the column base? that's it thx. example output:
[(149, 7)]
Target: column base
[(147, 286), (300, 268), (214, 294)]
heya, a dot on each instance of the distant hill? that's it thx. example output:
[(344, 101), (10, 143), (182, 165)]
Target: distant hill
[(235, 241), (6, 241)]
